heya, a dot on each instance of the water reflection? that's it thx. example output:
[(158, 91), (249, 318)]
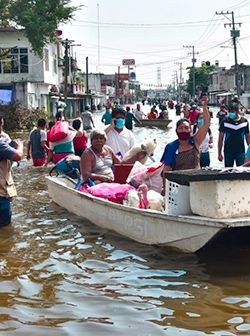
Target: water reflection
[(64, 276)]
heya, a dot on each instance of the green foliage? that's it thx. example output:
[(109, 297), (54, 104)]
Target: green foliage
[(39, 18), (170, 88), (139, 93), (4, 11), (201, 77), (20, 118)]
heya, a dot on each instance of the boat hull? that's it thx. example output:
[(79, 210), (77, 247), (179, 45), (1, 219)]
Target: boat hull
[(188, 233), (160, 123)]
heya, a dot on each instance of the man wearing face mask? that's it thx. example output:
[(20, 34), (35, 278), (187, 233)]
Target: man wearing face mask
[(119, 138), (233, 131)]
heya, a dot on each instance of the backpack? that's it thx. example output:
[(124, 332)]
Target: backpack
[(69, 166)]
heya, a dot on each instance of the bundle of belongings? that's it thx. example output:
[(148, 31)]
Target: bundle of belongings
[(142, 190), (68, 166), (114, 192)]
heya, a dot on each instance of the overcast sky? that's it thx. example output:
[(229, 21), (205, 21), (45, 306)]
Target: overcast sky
[(153, 32)]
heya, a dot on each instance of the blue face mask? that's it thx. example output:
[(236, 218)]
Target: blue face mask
[(200, 122), (120, 122), (232, 115)]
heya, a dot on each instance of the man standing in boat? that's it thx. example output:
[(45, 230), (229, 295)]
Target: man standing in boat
[(233, 131), (139, 114)]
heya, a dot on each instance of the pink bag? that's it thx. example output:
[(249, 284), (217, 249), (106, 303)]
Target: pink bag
[(113, 192), (59, 131)]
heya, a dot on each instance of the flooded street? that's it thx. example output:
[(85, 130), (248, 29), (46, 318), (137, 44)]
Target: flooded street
[(61, 275)]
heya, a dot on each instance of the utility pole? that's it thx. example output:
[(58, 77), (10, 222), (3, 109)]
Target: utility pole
[(98, 36), (180, 80), (116, 86), (87, 78), (66, 67), (117, 83), (67, 45), (174, 80), (177, 81), (159, 76), (193, 53), (234, 34)]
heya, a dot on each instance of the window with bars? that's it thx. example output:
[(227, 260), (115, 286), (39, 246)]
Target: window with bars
[(15, 61)]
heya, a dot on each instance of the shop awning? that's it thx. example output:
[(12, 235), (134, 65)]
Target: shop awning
[(225, 94)]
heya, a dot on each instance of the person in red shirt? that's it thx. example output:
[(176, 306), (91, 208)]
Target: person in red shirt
[(152, 114), (193, 114), (81, 138), (171, 104)]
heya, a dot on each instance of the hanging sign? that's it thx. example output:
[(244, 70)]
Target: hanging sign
[(128, 61)]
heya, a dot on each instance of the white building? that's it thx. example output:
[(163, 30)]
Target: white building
[(24, 76)]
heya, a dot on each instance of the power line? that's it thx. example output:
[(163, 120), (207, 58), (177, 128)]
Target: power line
[(211, 28), (150, 25), (239, 5), (247, 56)]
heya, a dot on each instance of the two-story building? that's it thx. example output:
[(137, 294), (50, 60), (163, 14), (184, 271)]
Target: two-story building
[(26, 76), (222, 85), (33, 81)]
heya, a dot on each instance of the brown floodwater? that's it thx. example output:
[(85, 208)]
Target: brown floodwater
[(62, 275)]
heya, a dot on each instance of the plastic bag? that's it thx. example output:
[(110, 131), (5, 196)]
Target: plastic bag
[(151, 175), (59, 131), (137, 174)]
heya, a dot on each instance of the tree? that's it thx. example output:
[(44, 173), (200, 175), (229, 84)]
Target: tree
[(17, 117), (201, 77), (39, 18)]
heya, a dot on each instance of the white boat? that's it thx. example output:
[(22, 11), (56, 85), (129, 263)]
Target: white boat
[(160, 123), (186, 232)]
